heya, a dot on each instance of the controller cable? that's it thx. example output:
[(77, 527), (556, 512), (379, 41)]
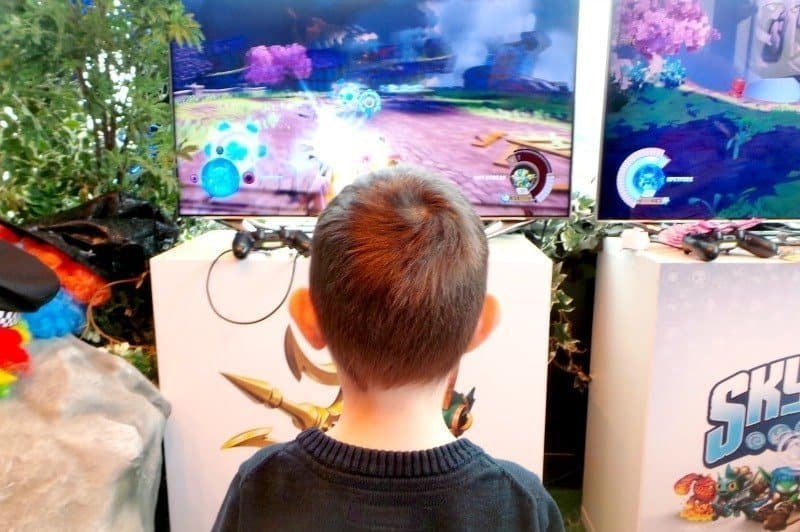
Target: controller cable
[(258, 320)]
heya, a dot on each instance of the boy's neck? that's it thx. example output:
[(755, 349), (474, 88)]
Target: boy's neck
[(408, 418)]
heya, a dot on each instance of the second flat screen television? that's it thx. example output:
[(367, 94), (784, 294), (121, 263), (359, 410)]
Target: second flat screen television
[(288, 101), (703, 111)]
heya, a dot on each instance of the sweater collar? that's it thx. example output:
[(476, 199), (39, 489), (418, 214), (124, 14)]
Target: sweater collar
[(386, 464)]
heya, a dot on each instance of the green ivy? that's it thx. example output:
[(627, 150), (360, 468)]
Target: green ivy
[(578, 236)]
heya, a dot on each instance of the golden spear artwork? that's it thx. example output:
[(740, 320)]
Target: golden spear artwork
[(300, 365), (456, 407), (304, 415)]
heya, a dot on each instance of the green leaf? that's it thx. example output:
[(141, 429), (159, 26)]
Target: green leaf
[(54, 158)]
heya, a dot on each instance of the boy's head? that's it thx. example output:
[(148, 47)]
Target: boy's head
[(397, 280)]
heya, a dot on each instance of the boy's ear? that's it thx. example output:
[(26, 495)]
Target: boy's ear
[(302, 311), (490, 317)]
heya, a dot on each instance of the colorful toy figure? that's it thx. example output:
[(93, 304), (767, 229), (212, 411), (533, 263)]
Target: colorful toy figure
[(7, 381), (783, 499), (14, 359), (698, 506), (735, 493)]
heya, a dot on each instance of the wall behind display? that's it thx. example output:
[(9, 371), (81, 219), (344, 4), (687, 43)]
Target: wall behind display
[(594, 21)]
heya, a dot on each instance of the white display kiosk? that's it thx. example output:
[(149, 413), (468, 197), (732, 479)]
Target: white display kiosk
[(695, 368), (508, 372)]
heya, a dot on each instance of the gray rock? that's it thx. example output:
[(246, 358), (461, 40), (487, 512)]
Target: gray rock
[(80, 443)]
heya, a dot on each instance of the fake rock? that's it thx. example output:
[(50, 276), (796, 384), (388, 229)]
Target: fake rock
[(80, 443)]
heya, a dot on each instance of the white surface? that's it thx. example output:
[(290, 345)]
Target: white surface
[(509, 371), (590, 87), (635, 239), (667, 329)]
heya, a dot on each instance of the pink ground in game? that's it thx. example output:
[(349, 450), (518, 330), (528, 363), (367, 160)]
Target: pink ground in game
[(439, 141)]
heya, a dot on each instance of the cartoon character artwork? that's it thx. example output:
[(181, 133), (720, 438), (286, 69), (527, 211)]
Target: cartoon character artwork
[(782, 506), (703, 489), (771, 498), (456, 407), (736, 493)]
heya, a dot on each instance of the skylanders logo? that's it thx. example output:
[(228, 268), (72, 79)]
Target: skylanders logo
[(751, 410)]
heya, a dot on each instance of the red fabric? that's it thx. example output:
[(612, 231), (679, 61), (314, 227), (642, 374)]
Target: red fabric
[(13, 358)]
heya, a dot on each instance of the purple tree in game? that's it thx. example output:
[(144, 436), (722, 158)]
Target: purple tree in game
[(274, 64), (658, 28), (662, 27), (188, 64)]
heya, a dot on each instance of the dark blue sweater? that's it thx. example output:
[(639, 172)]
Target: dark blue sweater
[(317, 483)]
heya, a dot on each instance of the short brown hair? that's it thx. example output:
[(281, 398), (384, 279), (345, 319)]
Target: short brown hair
[(398, 277)]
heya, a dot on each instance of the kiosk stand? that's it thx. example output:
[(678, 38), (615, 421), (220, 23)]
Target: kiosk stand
[(695, 394), (508, 372)]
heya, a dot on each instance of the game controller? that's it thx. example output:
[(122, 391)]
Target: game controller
[(757, 245), (246, 241), (704, 245), (708, 246)]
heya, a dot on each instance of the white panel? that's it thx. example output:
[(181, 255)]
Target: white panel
[(509, 371)]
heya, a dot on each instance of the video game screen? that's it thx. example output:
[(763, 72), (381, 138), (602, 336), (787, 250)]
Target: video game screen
[(289, 101), (703, 111)]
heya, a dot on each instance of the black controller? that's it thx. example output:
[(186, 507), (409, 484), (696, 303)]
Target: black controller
[(757, 245), (708, 246), (704, 245), (246, 241)]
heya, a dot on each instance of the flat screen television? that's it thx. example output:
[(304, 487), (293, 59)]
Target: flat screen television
[(702, 115), (288, 101)]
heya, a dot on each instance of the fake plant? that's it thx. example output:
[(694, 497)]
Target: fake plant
[(84, 105), (577, 240), (84, 110)]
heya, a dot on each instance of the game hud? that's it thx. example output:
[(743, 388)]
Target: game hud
[(287, 102), (702, 117)]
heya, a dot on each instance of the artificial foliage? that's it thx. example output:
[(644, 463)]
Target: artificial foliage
[(574, 240), (84, 101), (84, 110)]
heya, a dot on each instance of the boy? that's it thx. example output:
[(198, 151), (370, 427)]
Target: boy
[(397, 292)]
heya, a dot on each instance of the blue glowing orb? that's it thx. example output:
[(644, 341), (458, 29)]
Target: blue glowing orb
[(648, 180), (220, 178), (236, 151), (369, 102)]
